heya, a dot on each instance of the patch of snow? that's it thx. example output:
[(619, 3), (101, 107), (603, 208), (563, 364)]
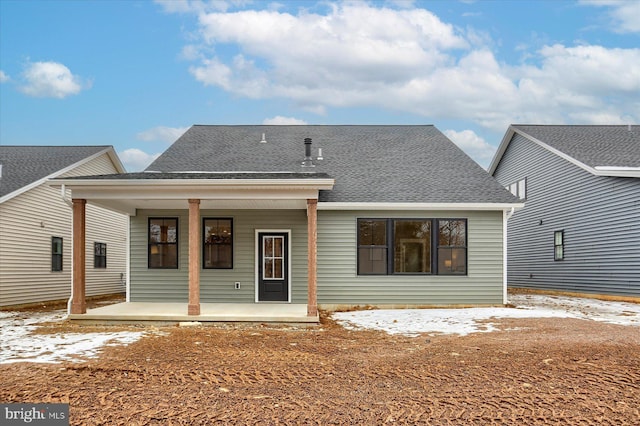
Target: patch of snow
[(19, 344), (412, 322)]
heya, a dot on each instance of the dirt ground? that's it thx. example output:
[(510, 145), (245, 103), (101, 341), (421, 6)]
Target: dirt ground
[(536, 371)]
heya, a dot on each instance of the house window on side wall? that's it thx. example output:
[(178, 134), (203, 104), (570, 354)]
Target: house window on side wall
[(412, 246), (558, 245), (56, 254), (415, 246), (99, 255), (372, 247), (519, 188), (163, 243), (218, 243), (452, 247)]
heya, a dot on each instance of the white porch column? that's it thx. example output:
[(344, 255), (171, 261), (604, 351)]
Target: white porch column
[(194, 257), (312, 256), (78, 302)]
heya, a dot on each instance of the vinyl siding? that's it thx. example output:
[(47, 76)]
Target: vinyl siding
[(217, 285), (337, 279), (339, 284), (27, 224), (600, 217)]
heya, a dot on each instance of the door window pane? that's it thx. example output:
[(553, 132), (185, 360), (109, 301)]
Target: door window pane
[(272, 257)]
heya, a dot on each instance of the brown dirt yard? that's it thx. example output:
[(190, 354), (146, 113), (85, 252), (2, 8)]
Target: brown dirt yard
[(535, 371)]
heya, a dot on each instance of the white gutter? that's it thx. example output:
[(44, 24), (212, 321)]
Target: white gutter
[(324, 183), (63, 194), (418, 206), (505, 218)]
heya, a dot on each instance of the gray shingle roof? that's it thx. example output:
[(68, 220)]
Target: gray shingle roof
[(613, 146), (369, 163), (23, 165)]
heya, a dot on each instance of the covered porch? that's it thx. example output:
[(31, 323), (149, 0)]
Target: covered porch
[(193, 193), (209, 312)]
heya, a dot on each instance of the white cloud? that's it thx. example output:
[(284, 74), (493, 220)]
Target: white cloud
[(624, 14), (473, 145), (162, 133), (280, 120), (50, 80), (4, 77), (135, 159), (409, 60), (194, 6)]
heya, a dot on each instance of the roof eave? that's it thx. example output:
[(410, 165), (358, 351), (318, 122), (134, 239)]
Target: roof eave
[(108, 150), (419, 206), (319, 184)]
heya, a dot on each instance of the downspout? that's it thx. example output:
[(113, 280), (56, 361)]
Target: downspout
[(63, 194), (506, 215)]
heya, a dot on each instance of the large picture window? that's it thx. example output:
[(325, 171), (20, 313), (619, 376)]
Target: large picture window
[(218, 243), (56, 254), (412, 246), (163, 243)]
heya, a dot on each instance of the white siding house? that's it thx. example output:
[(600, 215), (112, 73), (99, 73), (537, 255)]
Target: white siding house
[(35, 225)]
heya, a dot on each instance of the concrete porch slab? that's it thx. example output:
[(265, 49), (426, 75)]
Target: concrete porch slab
[(209, 312)]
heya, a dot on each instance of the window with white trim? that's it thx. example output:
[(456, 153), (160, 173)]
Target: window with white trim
[(519, 188)]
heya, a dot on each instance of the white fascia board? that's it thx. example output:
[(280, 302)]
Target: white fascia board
[(615, 171), (317, 184), (420, 206), (506, 140), (39, 182)]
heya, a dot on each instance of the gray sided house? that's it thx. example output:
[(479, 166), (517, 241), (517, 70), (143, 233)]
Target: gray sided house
[(313, 215), (580, 229), (35, 225)]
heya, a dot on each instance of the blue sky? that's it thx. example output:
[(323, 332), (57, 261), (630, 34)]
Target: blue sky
[(136, 74)]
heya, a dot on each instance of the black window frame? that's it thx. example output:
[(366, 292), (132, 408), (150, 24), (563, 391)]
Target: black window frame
[(392, 256), (205, 244), (57, 259), (434, 246), (361, 246), (99, 255), (150, 244), (465, 247), (556, 246)]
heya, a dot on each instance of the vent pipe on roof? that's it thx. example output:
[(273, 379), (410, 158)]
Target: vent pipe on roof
[(263, 140), (308, 161), (320, 157)]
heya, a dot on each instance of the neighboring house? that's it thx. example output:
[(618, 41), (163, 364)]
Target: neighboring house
[(368, 215), (35, 225), (580, 229)]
